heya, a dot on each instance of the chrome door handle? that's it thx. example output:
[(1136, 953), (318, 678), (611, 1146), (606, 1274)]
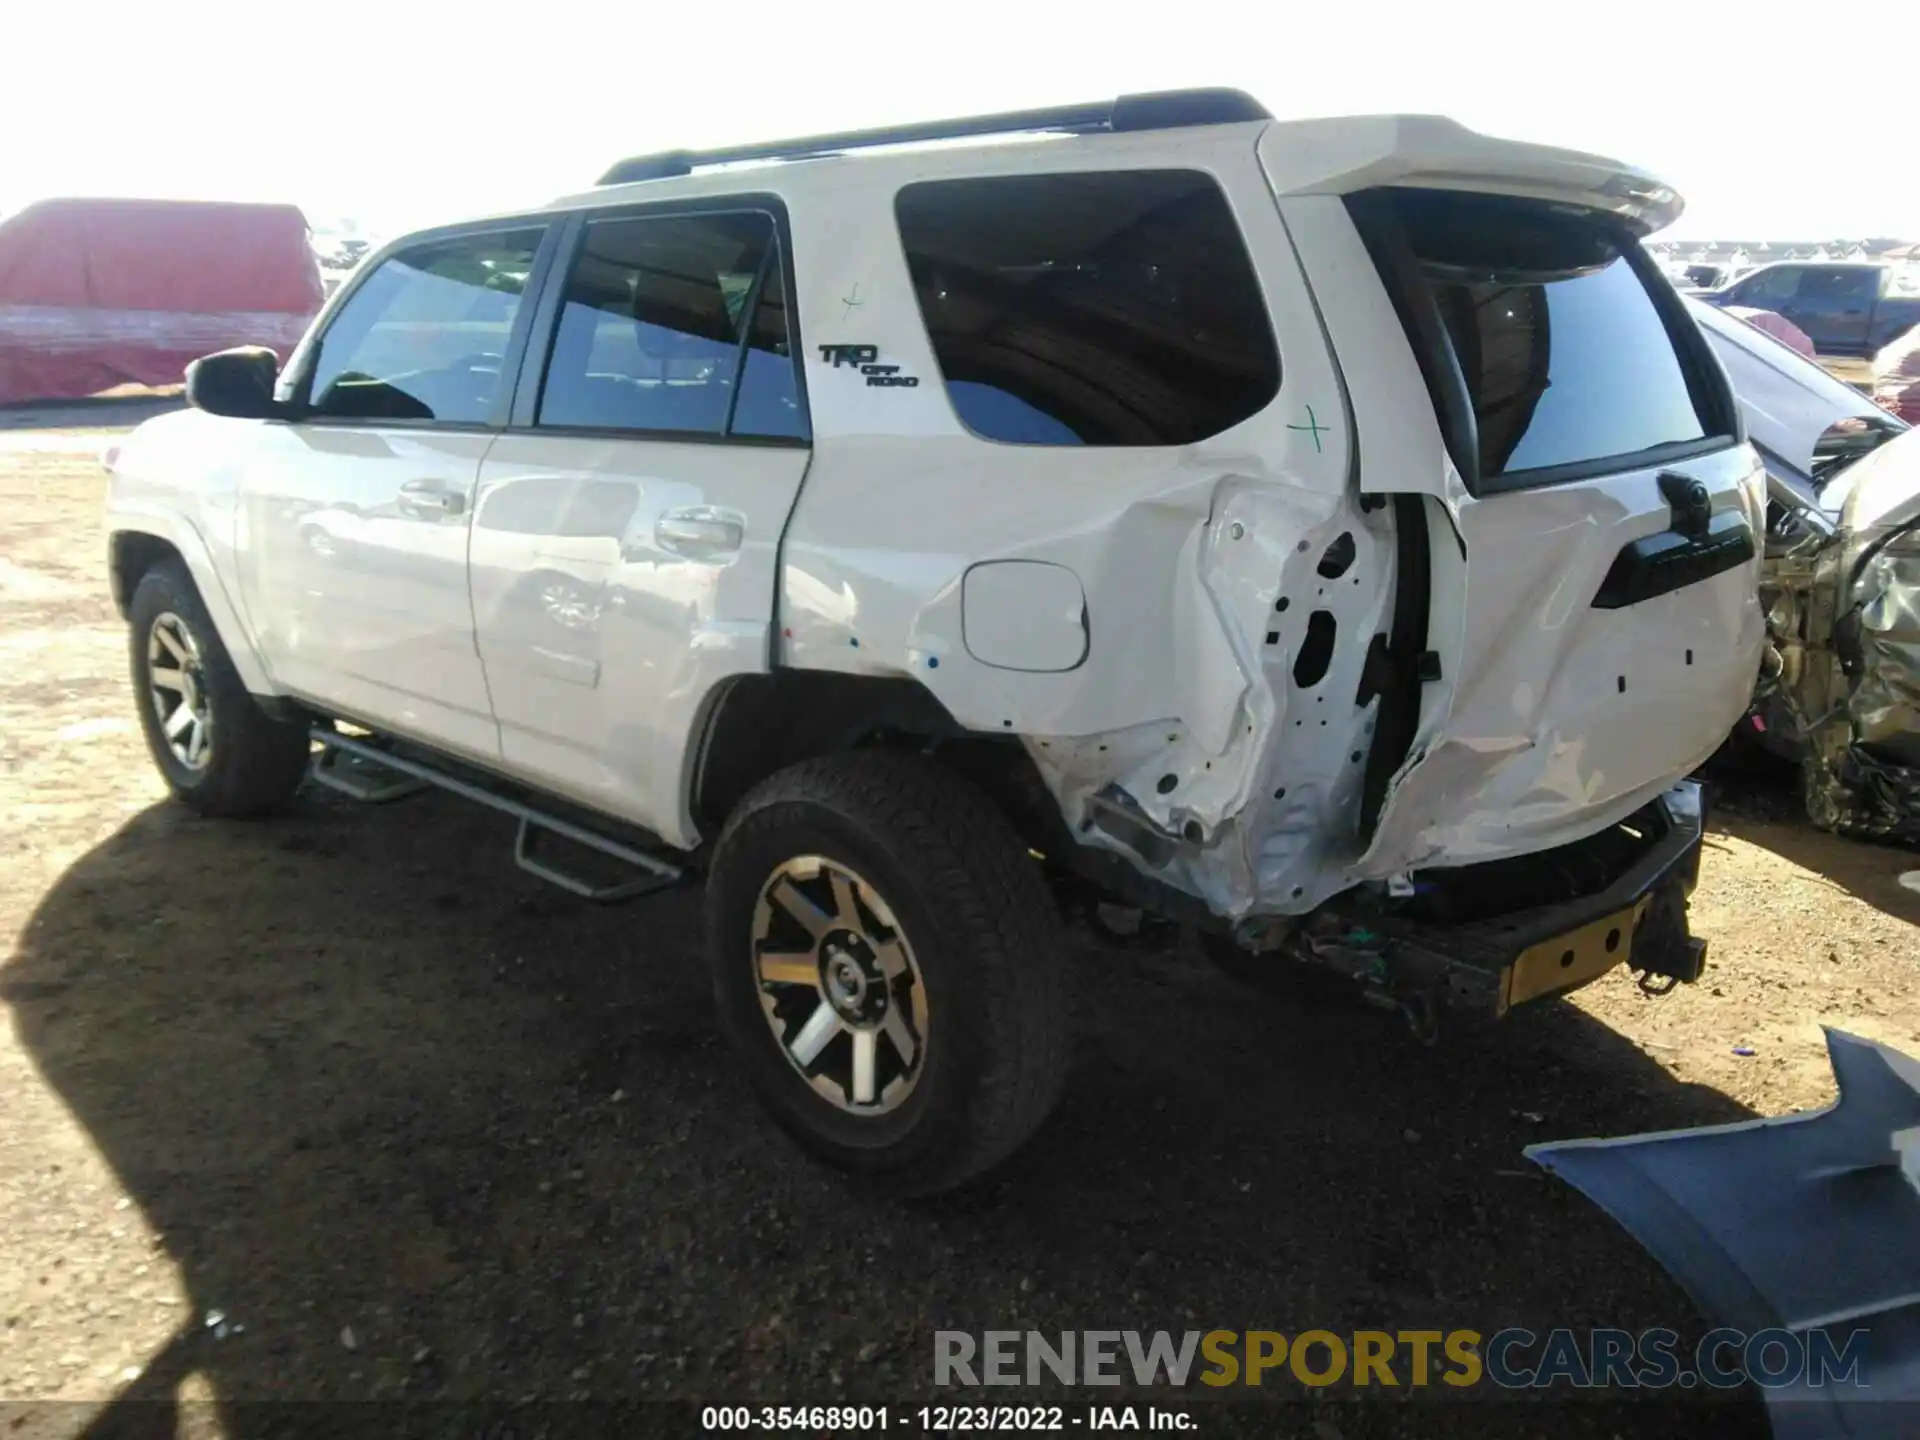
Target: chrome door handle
[(699, 533), (428, 497)]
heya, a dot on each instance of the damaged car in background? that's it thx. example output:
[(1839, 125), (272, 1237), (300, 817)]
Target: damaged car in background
[(1840, 585)]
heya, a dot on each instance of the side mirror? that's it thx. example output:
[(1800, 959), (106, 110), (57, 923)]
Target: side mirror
[(238, 383)]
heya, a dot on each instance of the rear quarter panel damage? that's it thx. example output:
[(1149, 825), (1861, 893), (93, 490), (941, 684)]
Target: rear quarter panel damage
[(1166, 742)]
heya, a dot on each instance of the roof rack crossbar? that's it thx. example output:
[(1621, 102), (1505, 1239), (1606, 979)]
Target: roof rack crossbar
[(1163, 110)]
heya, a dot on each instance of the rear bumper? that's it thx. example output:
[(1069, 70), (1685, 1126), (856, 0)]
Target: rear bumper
[(1634, 914)]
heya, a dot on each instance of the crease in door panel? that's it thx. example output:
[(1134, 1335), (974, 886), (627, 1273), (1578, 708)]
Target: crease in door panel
[(473, 615)]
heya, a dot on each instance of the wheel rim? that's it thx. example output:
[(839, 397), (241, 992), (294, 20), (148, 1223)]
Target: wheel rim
[(176, 687), (839, 985)]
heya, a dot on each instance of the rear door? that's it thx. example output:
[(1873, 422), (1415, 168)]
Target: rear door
[(1582, 599), (628, 522)]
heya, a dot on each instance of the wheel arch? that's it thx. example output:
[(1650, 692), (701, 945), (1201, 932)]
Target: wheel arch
[(759, 725), (136, 543)]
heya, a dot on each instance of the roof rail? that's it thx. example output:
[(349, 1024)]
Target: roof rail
[(1162, 110)]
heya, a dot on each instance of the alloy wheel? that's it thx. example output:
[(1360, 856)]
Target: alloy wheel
[(176, 687), (839, 985)]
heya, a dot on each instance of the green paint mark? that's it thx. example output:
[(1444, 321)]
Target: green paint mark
[(1314, 428)]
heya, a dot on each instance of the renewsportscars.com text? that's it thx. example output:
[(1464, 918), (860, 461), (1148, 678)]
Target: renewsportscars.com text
[(1512, 1359)]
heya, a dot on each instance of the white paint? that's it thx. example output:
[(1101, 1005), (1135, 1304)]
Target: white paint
[(601, 645), (1178, 708), (1024, 615)]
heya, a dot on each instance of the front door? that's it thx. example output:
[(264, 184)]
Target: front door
[(1773, 287), (355, 518), (625, 545)]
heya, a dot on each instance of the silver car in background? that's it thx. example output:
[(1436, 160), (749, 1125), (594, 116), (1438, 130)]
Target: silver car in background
[(1840, 583)]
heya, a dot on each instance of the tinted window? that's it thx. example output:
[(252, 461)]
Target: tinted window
[(422, 338), (675, 324), (1856, 283), (1098, 309), (1566, 359), (1771, 287)]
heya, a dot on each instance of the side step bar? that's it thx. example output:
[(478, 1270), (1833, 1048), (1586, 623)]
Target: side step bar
[(370, 774)]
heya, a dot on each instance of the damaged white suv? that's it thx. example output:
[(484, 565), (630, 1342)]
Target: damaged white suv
[(1333, 535)]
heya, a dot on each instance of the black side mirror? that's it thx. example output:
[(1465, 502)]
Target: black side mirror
[(236, 382)]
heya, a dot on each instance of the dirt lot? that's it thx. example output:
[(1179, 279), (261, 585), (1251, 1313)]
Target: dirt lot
[(341, 1106)]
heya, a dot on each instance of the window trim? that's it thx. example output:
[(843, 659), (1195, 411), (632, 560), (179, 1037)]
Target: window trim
[(1377, 220), (530, 382), (1246, 250), (299, 398)]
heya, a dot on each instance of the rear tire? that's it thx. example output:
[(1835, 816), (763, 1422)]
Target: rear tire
[(903, 907), (218, 751)]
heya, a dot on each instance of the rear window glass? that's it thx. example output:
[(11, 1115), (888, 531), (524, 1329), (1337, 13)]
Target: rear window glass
[(1566, 359), (1116, 308)]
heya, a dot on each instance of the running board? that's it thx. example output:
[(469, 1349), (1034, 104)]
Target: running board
[(352, 775), (409, 777)]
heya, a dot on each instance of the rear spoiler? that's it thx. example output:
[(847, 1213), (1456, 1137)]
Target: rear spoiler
[(1339, 156)]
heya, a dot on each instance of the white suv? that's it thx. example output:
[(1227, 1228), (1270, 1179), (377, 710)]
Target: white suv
[(1333, 535)]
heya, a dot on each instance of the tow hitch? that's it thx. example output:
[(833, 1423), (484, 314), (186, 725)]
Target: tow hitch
[(1426, 953)]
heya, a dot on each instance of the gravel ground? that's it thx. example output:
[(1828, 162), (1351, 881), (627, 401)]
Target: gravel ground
[(342, 1106)]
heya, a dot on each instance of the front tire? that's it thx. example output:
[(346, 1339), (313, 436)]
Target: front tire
[(218, 751), (886, 963)]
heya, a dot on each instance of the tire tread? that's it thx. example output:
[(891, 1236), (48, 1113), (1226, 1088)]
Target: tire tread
[(970, 857), (259, 761)]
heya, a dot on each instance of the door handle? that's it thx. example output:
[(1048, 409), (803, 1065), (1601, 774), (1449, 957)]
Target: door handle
[(431, 498), (699, 533)]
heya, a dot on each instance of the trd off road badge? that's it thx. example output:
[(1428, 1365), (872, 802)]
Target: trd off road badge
[(866, 359)]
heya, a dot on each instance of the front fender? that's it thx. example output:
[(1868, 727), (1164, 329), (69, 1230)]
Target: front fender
[(129, 518)]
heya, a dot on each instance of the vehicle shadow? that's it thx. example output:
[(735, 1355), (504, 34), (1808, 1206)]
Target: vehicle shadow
[(429, 1131)]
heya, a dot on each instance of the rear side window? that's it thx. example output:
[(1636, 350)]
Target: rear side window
[(424, 336), (1569, 363), (1858, 283), (676, 325), (1113, 308)]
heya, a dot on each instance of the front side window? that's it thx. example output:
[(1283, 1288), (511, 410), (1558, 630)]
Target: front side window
[(424, 337), (1772, 287), (676, 325), (1566, 357), (1106, 308)]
